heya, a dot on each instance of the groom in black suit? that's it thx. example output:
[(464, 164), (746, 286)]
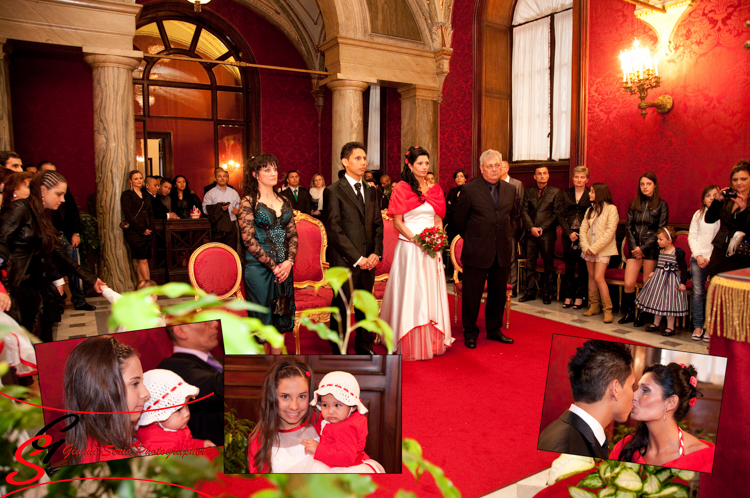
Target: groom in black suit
[(487, 217), (601, 378), (351, 214)]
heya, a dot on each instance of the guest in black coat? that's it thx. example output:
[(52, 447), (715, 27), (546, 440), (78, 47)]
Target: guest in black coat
[(460, 177), (734, 217), (601, 378), (354, 225), (487, 218), (298, 196), (139, 216), (192, 360), (647, 213), (184, 200), (575, 202), (541, 205)]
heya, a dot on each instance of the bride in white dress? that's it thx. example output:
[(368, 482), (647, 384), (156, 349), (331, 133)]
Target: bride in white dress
[(415, 303)]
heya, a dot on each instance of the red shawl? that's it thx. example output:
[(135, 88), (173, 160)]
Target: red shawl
[(403, 199)]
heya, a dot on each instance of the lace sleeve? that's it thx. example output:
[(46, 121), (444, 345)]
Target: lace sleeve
[(291, 240), (246, 218)]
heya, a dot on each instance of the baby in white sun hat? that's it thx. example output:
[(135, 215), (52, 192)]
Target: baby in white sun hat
[(167, 430), (343, 430)]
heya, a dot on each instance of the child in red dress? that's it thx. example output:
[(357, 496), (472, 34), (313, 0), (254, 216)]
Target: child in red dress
[(343, 430), (166, 430)]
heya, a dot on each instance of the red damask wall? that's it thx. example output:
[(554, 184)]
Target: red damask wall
[(456, 107), (708, 129)]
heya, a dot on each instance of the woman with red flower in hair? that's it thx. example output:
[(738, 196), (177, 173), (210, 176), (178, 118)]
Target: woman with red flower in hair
[(415, 303), (665, 395)]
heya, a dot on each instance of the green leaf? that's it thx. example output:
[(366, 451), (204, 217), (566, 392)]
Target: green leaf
[(652, 484), (404, 494), (387, 334), (671, 491), (175, 289), (239, 304), (321, 329), (608, 492), (235, 332), (593, 481), (663, 475), (336, 278), (187, 307), (628, 480), (360, 485), (569, 465), (635, 466), (135, 312), (580, 493), (625, 494), (365, 302), (268, 493), (280, 480), (312, 311), (685, 475), (650, 468), (3, 368)]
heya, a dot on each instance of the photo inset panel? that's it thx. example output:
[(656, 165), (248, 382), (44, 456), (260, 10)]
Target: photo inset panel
[(131, 394), (313, 414), (624, 402)]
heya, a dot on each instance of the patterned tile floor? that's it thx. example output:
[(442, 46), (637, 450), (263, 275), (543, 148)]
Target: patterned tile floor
[(77, 324)]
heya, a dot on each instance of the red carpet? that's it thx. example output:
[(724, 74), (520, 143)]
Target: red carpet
[(475, 413)]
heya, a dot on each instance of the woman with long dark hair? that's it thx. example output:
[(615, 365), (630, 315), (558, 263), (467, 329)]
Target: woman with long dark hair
[(27, 237), (270, 237), (139, 219), (103, 375), (597, 236), (184, 200), (415, 303), (647, 213), (665, 395), (734, 216)]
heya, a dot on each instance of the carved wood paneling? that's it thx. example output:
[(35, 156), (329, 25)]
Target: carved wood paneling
[(393, 18), (379, 380)]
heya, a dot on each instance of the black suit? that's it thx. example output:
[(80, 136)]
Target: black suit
[(541, 211), (160, 210), (353, 231), (488, 231), (570, 434), (303, 202), (207, 416)]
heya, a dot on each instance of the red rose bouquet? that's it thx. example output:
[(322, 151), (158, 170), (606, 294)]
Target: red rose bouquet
[(432, 240)]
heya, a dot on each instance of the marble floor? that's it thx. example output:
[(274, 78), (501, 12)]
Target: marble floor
[(76, 324)]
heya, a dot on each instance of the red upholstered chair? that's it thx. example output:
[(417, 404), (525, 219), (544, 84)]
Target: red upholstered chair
[(457, 246), (616, 276), (216, 269), (309, 269), (383, 269)]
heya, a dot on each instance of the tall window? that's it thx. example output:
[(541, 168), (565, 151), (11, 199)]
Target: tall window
[(541, 80), (188, 111)]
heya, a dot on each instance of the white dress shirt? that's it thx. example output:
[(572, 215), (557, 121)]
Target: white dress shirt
[(596, 427), (217, 195)]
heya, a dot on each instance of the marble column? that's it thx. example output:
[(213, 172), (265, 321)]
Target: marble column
[(6, 118), (348, 118), (114, 150), (420, 121)]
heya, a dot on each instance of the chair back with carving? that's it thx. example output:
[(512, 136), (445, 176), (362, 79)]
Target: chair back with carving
[(457, 247), (390, 238), (310, 264), (216, 269)]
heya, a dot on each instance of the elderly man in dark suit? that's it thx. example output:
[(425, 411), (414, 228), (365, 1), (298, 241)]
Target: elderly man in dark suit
[(541, 205), (192, 360), (351, 214), (601, 378), (486, 216)]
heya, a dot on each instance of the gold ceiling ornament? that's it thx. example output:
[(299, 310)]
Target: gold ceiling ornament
[(662, 16), (640, 73), (198, 3)]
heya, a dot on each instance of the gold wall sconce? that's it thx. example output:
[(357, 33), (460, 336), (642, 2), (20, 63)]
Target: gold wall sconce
[(640, 73)]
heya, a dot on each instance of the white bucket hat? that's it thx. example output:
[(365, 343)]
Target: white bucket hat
[(166, 389), (343, 386)]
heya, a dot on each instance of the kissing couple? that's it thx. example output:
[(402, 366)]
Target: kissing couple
[(605, 390)]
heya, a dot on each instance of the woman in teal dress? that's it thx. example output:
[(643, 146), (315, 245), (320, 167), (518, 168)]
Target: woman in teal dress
[(270, 237)]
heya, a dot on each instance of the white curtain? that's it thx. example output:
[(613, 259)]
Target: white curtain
[(562, 92), (528, 10), (530, 88), (373, 130), (711, 369)]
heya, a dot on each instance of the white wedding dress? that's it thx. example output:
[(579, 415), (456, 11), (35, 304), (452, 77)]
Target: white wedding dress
[(415, 303)]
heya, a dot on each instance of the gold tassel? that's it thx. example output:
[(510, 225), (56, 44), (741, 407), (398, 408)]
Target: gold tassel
[(728, 306)]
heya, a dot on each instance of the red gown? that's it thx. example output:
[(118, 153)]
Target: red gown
[(697, 461)]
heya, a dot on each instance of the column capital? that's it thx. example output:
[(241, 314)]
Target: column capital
[(419, 92), (347, 85), (128, 61)]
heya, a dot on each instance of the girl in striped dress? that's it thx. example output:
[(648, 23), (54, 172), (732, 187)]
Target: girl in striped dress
[(664, 292)]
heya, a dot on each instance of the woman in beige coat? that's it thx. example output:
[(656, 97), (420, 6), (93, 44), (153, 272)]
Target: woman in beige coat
[(597, 245)]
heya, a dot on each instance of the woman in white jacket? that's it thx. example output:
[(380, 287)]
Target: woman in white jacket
[(700, 241), (597, 245)]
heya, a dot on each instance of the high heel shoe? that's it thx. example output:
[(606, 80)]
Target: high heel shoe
[(582, 305), (628, 307), (568, 303)]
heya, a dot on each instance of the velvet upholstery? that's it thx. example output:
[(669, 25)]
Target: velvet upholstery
[(215, 268), (390, 237), (307, 265), (379, 290)]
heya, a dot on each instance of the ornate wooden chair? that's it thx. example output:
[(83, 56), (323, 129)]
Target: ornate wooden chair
[(616, 276), (309, 269), (457, 246), (382, 271), (216, 269)]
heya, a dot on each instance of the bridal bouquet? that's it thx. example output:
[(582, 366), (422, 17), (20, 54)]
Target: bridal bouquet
[(432, 240)]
